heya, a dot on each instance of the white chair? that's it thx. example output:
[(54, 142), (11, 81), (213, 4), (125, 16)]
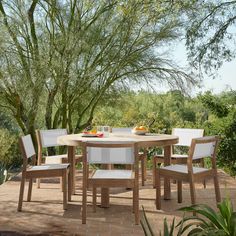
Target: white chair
[(185, 138), (110, 153), (42, 171), (199, 149), (47, 139), (142, 155)]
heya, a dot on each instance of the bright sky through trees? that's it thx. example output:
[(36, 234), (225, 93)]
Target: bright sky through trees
[(225, 79)]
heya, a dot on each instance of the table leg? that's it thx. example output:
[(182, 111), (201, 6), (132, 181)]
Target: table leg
[(167, 161), (71, 181), (105, 198)]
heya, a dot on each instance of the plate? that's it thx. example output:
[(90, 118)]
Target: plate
[(139, 132), (92, 135)]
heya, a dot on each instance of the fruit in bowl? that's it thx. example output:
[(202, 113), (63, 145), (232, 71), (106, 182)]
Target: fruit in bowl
[(140, 130)]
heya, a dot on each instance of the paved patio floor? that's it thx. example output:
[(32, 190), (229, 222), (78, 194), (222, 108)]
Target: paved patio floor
[(44, 215)]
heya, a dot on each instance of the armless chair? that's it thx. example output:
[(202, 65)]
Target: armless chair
[(47, 139), (199, 149), (110, 153), (42, 171), (142, 155), (185, 138)]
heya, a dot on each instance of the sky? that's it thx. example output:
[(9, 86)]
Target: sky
[(225, 80)]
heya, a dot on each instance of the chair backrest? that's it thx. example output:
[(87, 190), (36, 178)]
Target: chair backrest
[(110, 153), (121, 130), (27, 147), (186, 135), (49, 137), (204, 147)]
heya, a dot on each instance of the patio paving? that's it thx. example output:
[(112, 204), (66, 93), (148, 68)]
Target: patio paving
[(45, 216)]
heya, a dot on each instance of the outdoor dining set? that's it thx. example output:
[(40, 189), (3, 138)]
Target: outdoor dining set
[(126, 149)]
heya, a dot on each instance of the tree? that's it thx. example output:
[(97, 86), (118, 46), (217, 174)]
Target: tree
[(59, 58), (211, 33)]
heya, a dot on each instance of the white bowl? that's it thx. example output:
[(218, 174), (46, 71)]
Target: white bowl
[(139, 132)]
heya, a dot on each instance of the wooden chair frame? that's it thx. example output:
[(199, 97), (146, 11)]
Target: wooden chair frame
[(64, 158), (28, 173), (190, 176), (176, 158), (142, 157), (106, 183)]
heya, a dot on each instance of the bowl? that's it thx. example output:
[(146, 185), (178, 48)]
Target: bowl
[(139, 132)]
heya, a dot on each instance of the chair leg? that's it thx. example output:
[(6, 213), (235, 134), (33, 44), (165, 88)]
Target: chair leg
[(38, 183), (84, 195), (158, 190), (30, 190), (94, 198), (143, 170), (136, 204), (61, 183), (192, 190), (203, 165), (217, 188), (154, 166), (179, 186), (21, 195), (64, 188)]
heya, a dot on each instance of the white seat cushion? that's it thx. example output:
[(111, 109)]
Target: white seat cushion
[(49, 167), (57, 159), (174, 156), (112, 174), (183, 169)]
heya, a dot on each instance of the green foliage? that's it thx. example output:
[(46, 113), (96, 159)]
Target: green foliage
[(167, 230), (210, 34), (222, 121), (209, 222), (215, 104), (9, 150)]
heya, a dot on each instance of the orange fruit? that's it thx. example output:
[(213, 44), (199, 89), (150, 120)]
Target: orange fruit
[(142, 127)]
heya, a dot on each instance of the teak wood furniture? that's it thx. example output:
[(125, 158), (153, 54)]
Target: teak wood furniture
[(143, 141), (185, 138), (42, 171), (110, 153), (199, 149), (48, 139), (142, 154)]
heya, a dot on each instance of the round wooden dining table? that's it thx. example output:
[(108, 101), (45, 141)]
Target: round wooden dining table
[(148, 140)]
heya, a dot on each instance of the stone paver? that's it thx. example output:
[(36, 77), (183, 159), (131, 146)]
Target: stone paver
[(45, 216)]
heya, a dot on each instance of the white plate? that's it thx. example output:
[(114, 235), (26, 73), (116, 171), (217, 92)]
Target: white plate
[(90, 135)]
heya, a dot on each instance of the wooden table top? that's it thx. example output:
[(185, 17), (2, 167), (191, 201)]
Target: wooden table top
[(148, 140)]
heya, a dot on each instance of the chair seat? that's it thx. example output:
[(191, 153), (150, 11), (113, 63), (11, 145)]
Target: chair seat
[(57, 159), (173, 156), (49, 167), (183, 169), (112, 174)]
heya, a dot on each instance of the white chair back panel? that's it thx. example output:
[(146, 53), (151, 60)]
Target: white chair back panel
[(203, 150), (122, 130), (186, 135), (49, 137), (110, 155), (28, 146)]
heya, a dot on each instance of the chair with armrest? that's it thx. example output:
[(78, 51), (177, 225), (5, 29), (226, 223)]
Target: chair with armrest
[(185, 137), (142, 155), (47, 139), (199, 149), (42, 171), (110, 153)]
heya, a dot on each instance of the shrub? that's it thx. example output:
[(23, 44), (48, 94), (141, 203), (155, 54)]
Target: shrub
[(207, 222), (9, 151)]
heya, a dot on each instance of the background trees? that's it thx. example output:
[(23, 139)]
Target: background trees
[(211, 33), (59, 58)]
